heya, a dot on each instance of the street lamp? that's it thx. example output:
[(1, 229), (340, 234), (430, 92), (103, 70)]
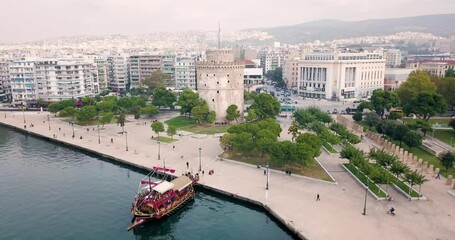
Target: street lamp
[(126, 138), (99, 139), (267, 183), (159, 149), (49, 121), (72, 124), (365, 204), (200, 161)]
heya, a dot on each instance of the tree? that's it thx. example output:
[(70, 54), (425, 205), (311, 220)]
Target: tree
[(251, 116), (398, 168), (227, 141), (40, 102), (105, 106), (419, 124), (270, 124), (187, 100), (413, 178), (265, 140), (303, 117), (244, 142), (371, 119), (417, 82), (157, 127), (311, 140), (426, 104), (412, 139), (294, 131), (399, 132), (150, 110), (395, 115), (358, 116), (121, 119), (276, 76), (383, 100), (365, 105), (232, 113), (446, 87), (164, 98), (265, 106), (447, 159), (157, 79), (171, 131), (449, 73), (86, 113), (60, 105), (201, 113), (106, 118), (68, 112), (88, 101)]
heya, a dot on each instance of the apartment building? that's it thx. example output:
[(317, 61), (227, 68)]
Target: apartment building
[(5, 86), (142, 67), (252, 73), (22, 80), (118, 72), (340, 74), (185, 71), (62, 79), (271, 59), (392, 58), (433, 67), (394, 77)]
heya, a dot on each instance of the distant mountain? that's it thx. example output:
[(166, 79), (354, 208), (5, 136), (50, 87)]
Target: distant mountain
[(326, 30)]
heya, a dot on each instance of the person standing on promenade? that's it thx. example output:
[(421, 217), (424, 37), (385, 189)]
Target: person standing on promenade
[(317, 197), (187, 165)]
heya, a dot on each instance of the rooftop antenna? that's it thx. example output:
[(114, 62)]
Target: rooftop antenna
[(219, 36)]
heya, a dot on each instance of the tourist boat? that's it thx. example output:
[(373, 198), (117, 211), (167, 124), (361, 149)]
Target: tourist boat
[(156, 199)]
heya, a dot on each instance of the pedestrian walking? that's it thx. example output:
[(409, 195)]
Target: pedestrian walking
[(438, 176), (317, 197), (265, 172), (173, 147), (112, 140), (187, 164)]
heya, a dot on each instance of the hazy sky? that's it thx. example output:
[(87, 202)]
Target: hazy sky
[(23, 20)]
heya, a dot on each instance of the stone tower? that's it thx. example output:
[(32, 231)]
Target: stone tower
[(220, 82)]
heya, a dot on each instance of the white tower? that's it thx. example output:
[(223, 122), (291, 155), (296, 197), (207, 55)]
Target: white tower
[(220, 82)]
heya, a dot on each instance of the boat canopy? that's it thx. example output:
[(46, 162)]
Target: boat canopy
[(163, 187), (181, 183)]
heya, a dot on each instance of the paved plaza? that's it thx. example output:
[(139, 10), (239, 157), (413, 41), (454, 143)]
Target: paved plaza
[(337, 216)]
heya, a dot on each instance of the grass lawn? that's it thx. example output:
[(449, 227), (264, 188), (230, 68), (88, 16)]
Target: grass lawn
[(164, 139), (314, 170), (379, 192), (329, 147), (445, 135), (180, 121), (188, 124), (432, 120)]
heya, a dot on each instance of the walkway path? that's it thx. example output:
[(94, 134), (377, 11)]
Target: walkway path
[(336, 216)]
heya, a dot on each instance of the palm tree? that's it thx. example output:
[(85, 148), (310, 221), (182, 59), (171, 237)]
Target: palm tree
[(398, 168), (414, 178)]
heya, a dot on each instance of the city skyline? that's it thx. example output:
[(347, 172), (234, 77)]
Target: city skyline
[(31, 20)]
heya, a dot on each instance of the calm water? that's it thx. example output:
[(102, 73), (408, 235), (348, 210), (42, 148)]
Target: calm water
[(51, 192)]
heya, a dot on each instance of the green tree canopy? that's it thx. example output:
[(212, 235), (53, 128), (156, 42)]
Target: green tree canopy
[(68, 112), (121, 119), (86, 113), (412, 139), (202, 114), (417, 82), (157, 127), (265, 106), (105, 118), (150, 110), (383, 100), (88, 101), (358, 116), (157, 79), (425, 105), (232, 113), (105, 106), (164, 98), (244, 141), (446, 87), (449, 73), (251, 116), (171, 131), (187, 101), (447, 159), (276, 76)]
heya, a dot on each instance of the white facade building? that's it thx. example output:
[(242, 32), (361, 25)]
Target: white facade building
[(270, 60), (22, 79), (5, 86), (185, 72), (62, 79), (433, 67), (392, 58), (220, 82), (340, 74), (118, 72)]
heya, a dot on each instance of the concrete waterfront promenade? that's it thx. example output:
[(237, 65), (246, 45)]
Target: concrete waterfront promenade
[(290, 198)]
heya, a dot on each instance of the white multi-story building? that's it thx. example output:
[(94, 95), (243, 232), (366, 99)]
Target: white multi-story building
[(5, 86), (433, 67), (392, 58), (142, 67), (252, 74), (22, 79), (270, 60), (185, 72), (167, 67), (118, 72), (102, 68), (340, 74), (62, 79)]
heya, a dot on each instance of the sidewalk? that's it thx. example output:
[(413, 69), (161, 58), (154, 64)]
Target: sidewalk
[(336, 216)]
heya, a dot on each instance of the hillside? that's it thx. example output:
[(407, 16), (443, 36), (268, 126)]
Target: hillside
[(326, 30)]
